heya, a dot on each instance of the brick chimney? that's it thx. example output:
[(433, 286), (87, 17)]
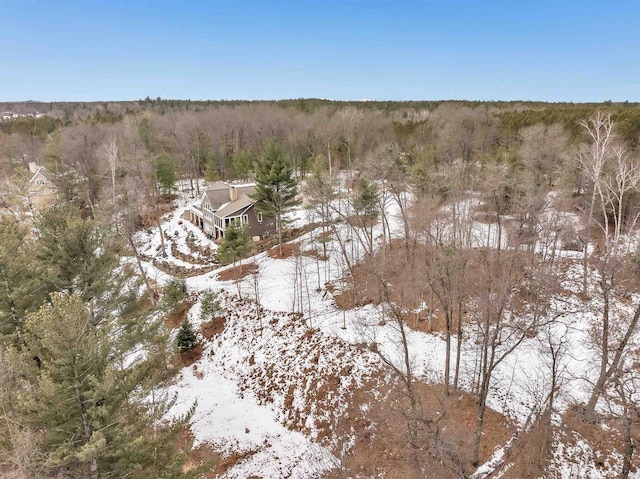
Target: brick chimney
[(233, 193)]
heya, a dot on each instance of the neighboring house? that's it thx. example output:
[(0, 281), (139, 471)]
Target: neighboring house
[(9, 115), (42, 191), (222, 203)]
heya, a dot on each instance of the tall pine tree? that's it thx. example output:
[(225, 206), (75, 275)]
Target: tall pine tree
[(21, 284), (93, 411), (276, 188), (77, 256)]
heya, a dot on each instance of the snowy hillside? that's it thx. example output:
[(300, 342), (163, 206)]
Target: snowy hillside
[(274, 383)]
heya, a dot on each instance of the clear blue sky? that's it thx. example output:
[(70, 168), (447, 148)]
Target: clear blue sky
[(352, 49)]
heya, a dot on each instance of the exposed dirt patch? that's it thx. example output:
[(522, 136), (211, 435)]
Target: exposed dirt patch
[(459, 424), (188, 358), (445, 434), (239, 272), (203, 458), (288, 250), (148, 218), (175, 318), (313, 253), (602, 444), (528, 456), (228, 462), (426, 321), (212, 328), (140, 306), (287, 235)]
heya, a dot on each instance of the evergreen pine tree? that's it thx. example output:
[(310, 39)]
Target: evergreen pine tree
[(166, 173), (241, 164), (92, 411), (75, 255), (209, 305), (367, 198), (235, 243), (211, 168), (186, 339), (174, 293), (276, 188), (21, 286), (367, 204)]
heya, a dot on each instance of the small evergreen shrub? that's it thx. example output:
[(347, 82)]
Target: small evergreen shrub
[(174, 293), (186, 339)]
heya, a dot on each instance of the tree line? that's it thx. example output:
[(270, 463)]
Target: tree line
[(223, 139)]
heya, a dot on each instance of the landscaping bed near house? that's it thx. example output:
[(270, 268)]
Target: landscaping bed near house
[(190, 259)]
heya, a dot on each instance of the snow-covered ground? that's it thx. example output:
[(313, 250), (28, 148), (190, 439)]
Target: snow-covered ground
[(230, 415)]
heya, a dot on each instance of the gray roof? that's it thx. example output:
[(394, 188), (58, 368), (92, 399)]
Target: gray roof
[(42, 171), (218, 194), (243, 202), (246, 190), (216, 198), (218, 185)]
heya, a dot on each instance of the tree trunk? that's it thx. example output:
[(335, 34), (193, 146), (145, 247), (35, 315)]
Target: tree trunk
[(615, 362), (458, 350), (604, 359), (478, 434), (144, 275), (279, 228), (164, 251), (629, 448), (585, 258), (447, 360), (482, 406)]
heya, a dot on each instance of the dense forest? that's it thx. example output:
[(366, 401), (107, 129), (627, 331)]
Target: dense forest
[(221, 139), (400, 188)]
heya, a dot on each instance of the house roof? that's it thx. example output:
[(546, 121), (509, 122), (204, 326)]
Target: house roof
[(41, 171), (218, 185), (218, 194), (216, 197), (245, 189), (243, 202)]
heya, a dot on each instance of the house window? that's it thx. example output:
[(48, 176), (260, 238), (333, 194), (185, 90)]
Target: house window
[(259, 216), (245, 218), (39, 182)]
